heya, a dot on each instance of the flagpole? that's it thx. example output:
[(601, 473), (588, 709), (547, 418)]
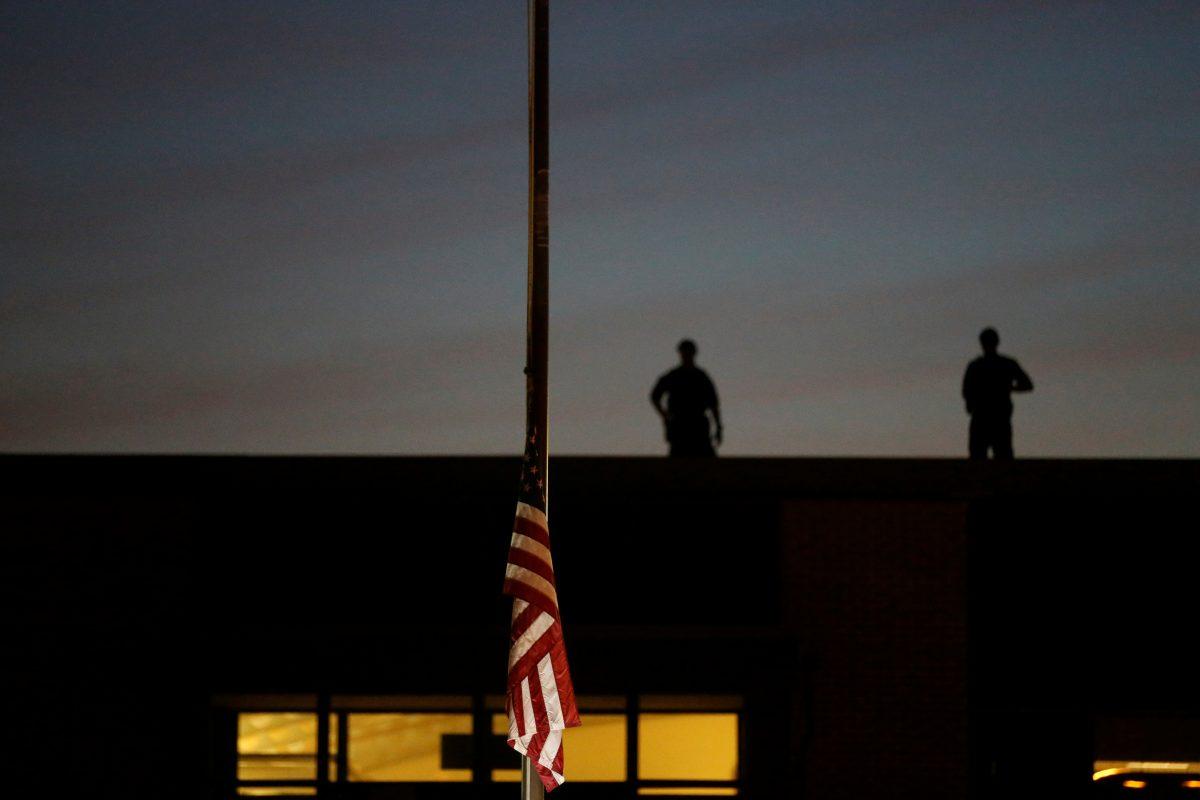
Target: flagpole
[(537, 340), (531, 784), (537, 347)]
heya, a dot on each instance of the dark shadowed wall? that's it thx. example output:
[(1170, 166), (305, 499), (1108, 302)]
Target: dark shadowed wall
[(894, 628)]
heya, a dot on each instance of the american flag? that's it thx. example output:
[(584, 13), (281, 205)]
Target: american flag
[(540, 699)]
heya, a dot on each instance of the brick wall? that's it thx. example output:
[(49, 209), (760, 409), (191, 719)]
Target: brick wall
[(877, 598)]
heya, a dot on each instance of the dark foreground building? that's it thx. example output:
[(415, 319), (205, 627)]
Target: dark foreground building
[(211, 627)]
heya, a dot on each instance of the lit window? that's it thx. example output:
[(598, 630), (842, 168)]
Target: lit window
[(500, 728), (280, 746), (688, 747), (595, 750), (403, 747)]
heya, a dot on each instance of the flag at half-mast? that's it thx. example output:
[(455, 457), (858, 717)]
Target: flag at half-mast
[(540, 697)]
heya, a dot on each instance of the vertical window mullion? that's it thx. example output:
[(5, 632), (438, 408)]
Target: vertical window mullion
[(481, 739), (343, 749), (631, 744), (323, 744)]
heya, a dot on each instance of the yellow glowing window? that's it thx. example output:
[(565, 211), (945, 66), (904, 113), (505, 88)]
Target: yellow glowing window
[(276, 791), (693, 747), (402, 747), (595, 750), (281, 746), (1134, 784), (704, 791)]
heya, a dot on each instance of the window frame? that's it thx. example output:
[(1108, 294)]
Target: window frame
[(333, 711)]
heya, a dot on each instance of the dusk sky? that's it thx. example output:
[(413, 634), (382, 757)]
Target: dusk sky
[(293, 227)]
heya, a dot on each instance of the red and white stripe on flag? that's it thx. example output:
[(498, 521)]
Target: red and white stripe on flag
[(540, 697)]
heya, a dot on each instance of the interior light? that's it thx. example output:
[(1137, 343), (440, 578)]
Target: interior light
[(1134, 784), (1191, 784), (1106, 769)]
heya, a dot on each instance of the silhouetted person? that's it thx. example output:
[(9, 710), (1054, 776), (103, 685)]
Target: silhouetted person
[(988, 385), (691, 398)]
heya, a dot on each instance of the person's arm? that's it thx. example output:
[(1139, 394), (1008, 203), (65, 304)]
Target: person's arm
[(656, 396), (714, 406), (967, 388), (1021, 382)]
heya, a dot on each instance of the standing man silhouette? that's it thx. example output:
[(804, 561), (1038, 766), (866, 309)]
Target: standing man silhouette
[(988, 385), (691, 398)]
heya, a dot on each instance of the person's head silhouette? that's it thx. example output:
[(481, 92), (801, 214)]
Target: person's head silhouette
[(989, 340), (687, 352)]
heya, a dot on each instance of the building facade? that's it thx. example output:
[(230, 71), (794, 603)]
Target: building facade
[(813, 628)]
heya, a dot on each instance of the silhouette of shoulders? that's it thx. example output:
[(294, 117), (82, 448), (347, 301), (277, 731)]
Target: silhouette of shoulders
[(994, 367), (993, 360), (990, 380), (688, 388)]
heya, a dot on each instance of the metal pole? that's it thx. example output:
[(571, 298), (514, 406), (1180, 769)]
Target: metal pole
[(531, 784), (537, 347), (537, 342)]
